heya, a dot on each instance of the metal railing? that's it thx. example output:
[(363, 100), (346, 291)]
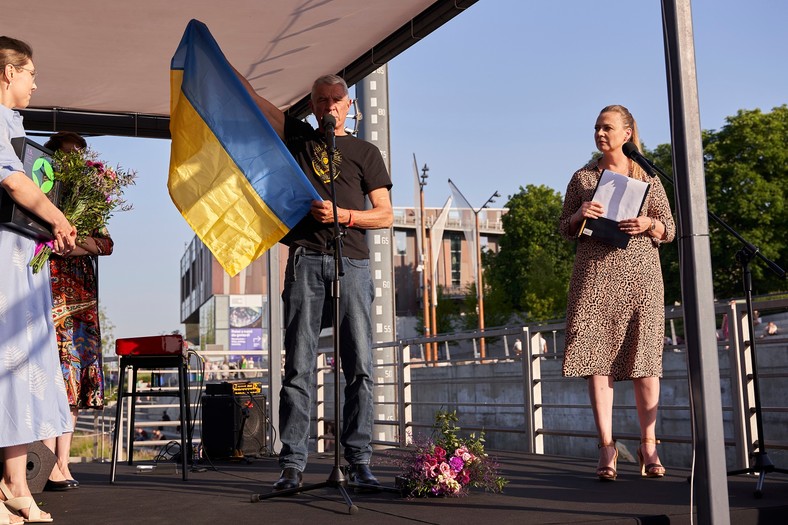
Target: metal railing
[(490, 222), (522, 402), (536, 413)]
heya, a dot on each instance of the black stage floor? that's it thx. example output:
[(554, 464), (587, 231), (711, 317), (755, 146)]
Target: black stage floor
[(542, 489)]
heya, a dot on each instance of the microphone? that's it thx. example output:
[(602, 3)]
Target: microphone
[(329, 124), (631, 151)]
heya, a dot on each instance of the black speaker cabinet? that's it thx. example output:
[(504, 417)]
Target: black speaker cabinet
[(234, 426), (40, 462)]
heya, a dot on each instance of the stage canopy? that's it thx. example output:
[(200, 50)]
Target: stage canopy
[(104, 66)]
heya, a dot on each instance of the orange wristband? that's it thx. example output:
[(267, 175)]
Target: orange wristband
[(350, 221)]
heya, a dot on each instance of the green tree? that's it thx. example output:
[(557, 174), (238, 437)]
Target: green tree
[(497, 308), (107, 346), (745, 164), (746, 167), (107, 331), (662, 156), (447, 313), (469, 312), (530, 273)]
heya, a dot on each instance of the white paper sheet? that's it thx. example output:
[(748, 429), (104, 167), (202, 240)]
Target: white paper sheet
[(621, 196)]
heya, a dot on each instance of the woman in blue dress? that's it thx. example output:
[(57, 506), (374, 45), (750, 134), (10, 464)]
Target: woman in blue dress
[(33, 404)]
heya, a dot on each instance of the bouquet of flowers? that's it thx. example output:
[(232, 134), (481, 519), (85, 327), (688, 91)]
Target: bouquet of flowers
[(91, 192), (448, 465)]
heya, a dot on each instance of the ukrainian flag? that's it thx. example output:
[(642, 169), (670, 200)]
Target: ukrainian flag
[(231, 176)]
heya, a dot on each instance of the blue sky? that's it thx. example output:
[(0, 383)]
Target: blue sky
[(503, 96)]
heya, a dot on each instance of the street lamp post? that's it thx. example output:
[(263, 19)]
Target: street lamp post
[(426, 298)]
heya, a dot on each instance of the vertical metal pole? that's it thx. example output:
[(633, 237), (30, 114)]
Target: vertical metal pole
[(404, 404), (738, 364), (434, 314), (711, 486), (276, 344), (96, 436), (480, 286), (126, 450), (425, 297), (372, 93), (430, 310), (531, 395), (320, 405)]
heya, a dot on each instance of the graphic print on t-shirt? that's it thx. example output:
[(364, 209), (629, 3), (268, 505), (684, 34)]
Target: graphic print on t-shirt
[(320, 162)]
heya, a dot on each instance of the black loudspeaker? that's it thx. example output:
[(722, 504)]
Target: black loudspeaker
[(40, 462), (234, 426)]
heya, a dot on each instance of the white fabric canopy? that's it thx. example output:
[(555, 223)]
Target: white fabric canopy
[(114, 56)]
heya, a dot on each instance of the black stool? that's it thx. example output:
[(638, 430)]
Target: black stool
[(151, 353)]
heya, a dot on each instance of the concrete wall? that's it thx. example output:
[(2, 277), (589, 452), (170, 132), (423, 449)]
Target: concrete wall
[(491, 396)]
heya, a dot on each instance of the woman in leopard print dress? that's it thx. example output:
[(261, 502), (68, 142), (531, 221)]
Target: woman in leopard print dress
[(615, 321)]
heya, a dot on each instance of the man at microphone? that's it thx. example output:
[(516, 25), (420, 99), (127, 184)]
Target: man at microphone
[(359, 173)]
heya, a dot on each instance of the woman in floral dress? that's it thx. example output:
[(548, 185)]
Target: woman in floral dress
[(76, 316)]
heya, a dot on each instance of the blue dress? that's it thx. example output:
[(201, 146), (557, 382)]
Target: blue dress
[(33, 403)]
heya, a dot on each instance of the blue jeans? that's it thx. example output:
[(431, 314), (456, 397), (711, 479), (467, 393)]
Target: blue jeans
[(308, 307)]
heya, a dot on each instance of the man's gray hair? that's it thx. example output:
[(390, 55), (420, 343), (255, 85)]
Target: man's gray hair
[(330, 80)]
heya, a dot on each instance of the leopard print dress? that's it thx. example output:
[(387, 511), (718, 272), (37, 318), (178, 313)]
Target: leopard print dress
[(615, 319)]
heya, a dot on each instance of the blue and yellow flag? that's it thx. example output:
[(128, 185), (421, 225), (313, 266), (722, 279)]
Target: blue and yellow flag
[(231, 176)]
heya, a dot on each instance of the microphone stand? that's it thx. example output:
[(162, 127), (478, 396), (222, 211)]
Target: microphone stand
[(762, 464), (337, 477)]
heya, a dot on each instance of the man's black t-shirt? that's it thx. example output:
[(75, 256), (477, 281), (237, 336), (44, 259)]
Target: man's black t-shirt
[(358, 169)]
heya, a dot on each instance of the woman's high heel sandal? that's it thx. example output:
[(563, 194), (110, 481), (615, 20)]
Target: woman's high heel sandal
[(608, 473), (5, 516), (652, 470), (20, 503)]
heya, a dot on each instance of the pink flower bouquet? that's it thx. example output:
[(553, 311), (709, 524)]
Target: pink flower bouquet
[(447, 465), (91, 192)]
